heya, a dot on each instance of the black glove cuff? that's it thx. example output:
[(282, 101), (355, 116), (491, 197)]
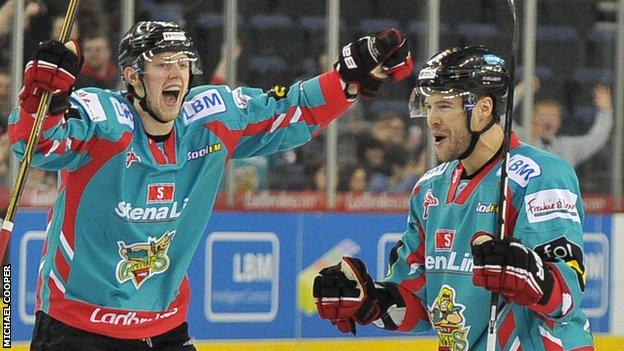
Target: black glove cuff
[(59, 104), (547, 286)]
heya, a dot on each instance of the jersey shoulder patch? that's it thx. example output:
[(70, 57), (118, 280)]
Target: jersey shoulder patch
[(548, 204), (521, 169), (91, 104), (432, 173), (205, 103), (123, 112)]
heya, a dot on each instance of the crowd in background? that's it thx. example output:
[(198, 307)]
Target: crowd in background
[(380, 150)]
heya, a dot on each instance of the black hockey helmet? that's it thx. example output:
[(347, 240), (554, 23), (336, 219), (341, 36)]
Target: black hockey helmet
[(145, 39), (470, 72)]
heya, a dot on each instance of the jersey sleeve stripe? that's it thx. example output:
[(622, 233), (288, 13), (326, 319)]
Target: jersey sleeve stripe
[(506, 328), (228, 137), (61, 265)]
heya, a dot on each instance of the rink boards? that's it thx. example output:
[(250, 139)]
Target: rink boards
[(251, 273)]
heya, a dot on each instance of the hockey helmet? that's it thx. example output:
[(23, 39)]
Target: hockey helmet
[(147, 38), (470, 72)]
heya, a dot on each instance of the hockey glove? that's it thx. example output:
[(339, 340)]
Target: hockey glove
[(345, 294), (510, 268), (53, 69), (358, 61)]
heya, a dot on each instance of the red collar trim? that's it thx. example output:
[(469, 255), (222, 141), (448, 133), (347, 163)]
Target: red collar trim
[(167, 154), (476, 179)]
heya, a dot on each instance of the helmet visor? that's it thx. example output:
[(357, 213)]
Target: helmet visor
[(419, 109), (160, 61)]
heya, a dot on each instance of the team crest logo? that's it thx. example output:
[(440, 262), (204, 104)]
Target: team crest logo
[(429, 201), (141, 261), (132, 157), (448, 320)]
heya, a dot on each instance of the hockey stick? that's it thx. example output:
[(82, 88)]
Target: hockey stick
[(42, 109), (504, 179)]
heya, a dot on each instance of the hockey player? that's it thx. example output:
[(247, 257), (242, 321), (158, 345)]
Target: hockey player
[(140, 170), (445, 265)]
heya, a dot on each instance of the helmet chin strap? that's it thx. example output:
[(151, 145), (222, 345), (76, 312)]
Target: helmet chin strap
[(143, 103), (475, 135)]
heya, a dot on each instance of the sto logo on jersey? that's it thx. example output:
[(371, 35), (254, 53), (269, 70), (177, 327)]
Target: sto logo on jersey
[(141, 261), (447, 318)]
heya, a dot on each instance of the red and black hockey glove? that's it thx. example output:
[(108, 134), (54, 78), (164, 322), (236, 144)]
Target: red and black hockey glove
[(345, 294), (53, 69), (510, 268), (357, 61)]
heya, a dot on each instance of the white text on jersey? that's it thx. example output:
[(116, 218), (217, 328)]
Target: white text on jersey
[(149, 213), (450, 263)]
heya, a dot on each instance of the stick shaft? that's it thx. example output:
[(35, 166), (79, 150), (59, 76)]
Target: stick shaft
[(504, 180)]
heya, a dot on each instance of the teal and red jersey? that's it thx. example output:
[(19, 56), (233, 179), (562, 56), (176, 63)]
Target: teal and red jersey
[(131, 211), (432, 263)]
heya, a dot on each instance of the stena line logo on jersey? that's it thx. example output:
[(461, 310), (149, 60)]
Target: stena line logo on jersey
[(451, 262), (204, 104), (138, 214), (551, 203)]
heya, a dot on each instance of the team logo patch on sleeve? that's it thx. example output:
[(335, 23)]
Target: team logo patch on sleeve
[(91, 104), (240, 99), (204, 104), (548, 204)]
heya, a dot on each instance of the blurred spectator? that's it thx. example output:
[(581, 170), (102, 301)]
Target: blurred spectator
[(356, 180), (547, 119), (98, 69), (402, 175), (250, 174), (31, 10), (389, 129), (285, 173), (371, 155), (5, 100), (318, 170), (57, 26), (36, 27)]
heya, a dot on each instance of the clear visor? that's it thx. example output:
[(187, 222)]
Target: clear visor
[(419, 95), (150, 62)]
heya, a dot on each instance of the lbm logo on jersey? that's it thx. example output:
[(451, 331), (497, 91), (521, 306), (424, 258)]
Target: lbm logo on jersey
[(160, 193), (444, 239)]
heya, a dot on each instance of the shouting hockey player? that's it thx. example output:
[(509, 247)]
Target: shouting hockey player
[(445, 265), (140, 170)]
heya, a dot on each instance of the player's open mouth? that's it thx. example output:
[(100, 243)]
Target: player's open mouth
[(171, 95)]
